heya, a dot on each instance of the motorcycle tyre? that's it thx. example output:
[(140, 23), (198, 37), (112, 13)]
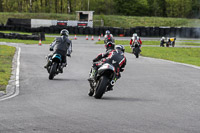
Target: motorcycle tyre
[(137, 52), (53, 71), (101, 87)]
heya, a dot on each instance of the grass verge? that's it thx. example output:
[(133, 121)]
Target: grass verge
[(126, 42), (6, 56), (48, 40), (182, 55)]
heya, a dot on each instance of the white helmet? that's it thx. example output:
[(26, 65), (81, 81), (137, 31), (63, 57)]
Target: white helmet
[(120, 47), (163, 38), (135, 34)]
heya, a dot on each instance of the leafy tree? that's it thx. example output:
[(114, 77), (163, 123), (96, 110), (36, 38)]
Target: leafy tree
[(132, 7), (163, 8), (178, 8)]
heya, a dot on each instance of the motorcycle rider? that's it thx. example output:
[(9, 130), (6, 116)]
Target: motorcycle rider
[(110, 46), (115, 57), (108, 37), (135, 38), (171, 41), (63, 47), (162, 41)]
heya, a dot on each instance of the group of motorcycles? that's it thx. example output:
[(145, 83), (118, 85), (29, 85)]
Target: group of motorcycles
[(168, 42), (104, 79)]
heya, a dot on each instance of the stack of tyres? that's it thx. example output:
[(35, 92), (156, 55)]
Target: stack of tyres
[(1, 35), (121, 31), (76, 30), (46, 29), (116, 32), (2, 27), (197, 32), (162, 31), (132, 30), (172, 31), (96, 31), (188, 32), (138, 31), (167, 31), (80, 30), (86, 31), (127, 32), (183, 30), (157, 29), (91, 31), (143, 31), (101, 30)]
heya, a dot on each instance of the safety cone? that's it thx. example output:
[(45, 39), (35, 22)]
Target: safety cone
[(86, 37), (99, 39), (92, 37), (75, 37), (40, 42)]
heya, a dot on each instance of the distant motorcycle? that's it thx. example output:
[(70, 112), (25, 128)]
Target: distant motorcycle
[(170, 42), (136, 49), (55, 65), (103, 81)]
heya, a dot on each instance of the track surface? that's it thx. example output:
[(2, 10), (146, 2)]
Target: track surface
[(152, 96)]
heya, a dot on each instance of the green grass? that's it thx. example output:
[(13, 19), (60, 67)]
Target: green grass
[(48, 40), (183, 55), (110, 20), (6, 56), (126, 42), (26, 33), (188, 43)]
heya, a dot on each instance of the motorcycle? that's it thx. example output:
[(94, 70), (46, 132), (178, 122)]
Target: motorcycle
[(136, 49), (55, 65), (103, 80)]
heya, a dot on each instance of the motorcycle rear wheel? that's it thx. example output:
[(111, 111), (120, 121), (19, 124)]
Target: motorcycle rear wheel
[(53, 70), (101, 87)]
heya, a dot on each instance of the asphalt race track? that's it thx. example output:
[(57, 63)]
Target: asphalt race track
[(152, 96)]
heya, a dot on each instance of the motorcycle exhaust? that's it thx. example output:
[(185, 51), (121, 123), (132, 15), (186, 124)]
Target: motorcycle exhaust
[(112, 82)]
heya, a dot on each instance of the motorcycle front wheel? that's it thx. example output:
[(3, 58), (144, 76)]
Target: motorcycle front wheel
[(101, 87), (136, 52), (53, 71)]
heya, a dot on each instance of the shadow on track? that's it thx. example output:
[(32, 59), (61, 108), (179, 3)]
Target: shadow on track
[(60, 79), (128, 99)]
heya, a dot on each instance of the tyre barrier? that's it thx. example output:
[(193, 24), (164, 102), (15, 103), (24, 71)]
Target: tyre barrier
[(141, 31), (34, 36)]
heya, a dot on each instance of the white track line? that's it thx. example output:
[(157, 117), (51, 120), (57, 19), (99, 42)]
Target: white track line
[(16, 92)]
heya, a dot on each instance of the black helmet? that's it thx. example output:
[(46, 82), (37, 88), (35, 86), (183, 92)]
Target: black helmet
[(64, 32), (120, 47), (110, 45), (108, 32)]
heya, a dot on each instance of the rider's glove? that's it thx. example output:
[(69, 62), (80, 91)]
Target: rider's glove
[(68, 55), (51, 49)]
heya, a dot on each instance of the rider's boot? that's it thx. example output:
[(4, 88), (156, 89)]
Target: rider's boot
[(48, 63), (91, 92), (64, 64), (92, 74)]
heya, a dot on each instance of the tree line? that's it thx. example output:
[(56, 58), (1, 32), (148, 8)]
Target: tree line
[(161, 8)]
